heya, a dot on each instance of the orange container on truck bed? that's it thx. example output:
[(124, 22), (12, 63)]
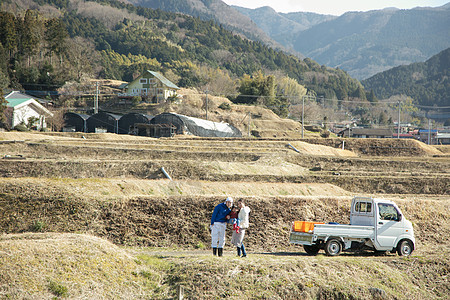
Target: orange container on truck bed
[(304, 226)]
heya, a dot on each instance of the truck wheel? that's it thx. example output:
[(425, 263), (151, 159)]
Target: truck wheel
[(405, 248), (311, 250), (333, 247)]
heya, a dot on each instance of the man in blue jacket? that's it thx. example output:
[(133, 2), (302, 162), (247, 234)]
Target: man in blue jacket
[(219, 225)]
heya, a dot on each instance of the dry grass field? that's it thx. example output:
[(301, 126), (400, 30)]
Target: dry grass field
[(92, 216)]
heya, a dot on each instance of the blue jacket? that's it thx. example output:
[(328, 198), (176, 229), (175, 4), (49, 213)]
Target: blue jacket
[(220, 213)]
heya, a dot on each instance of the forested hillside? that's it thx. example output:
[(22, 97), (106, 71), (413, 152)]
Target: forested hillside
[(361, 43), (69, 40), (215, 10), (427, 82)]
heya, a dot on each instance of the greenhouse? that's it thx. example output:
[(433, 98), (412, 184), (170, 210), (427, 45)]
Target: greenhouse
[(75, 122), (103, 122), (195, 126), (127, 122)]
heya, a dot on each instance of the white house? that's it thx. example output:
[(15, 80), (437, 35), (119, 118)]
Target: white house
[(24, 108), (151, 85)]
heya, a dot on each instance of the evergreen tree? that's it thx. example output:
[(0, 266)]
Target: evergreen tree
[(3, 108), (371, 97), (261, 88), (55, 36), (359, 93), (382, 119), (8, 36), (4, 80), (30, 34)]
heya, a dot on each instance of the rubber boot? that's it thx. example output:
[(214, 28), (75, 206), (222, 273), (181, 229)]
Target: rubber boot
[(220, 252), (244, 254), (214, 251), (238, 251)]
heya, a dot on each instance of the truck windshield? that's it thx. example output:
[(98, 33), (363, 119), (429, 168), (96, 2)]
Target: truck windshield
[(387, 212)]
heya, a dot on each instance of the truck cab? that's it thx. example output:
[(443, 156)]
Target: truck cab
[(375, 224), (386, 217)]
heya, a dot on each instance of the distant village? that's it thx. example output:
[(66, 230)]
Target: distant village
[(26, 109)]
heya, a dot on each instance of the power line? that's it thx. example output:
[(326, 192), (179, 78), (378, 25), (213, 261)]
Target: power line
[(438, 107), (93, 93)]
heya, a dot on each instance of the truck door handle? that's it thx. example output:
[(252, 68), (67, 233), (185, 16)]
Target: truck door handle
[(381, 223)]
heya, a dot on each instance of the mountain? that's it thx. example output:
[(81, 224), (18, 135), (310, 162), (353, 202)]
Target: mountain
[(362, 43), (426, 82), (215, 10), (283, 27)]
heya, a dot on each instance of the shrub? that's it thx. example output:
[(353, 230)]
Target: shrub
[(57, 289), (136, 100), (32, 121), (225, 106), (37, 226), (172, 99), (200, 245), (325, 134)]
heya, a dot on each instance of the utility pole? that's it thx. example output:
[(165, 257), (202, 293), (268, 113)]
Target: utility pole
[(206, 104), (303, 114), (96, 99), (429, 131), (303, 111), (398, 125), (249, 120)]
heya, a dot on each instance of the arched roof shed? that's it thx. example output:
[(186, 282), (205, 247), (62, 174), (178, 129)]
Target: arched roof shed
[(103, 122), (196, 126), (75, 121), (127, 121)]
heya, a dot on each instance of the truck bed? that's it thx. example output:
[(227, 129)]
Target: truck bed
[(352, 231), (329, 230)]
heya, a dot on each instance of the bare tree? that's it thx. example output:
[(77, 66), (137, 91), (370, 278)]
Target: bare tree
[(56, 123)]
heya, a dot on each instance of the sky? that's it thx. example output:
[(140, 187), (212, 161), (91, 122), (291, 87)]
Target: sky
[(333, 7)]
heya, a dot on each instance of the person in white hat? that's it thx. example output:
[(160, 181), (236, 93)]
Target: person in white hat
[(219, 225)]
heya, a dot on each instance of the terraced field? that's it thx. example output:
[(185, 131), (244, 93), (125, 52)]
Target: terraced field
[(423, 171), (73, 193)]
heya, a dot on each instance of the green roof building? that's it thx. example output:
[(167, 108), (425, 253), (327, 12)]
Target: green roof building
[(23, 109)]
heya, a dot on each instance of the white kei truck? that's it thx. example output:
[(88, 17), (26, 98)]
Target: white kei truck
[(375, 224)]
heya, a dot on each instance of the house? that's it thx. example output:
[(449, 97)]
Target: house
[(428, 136), (366, 133), (150, 85), (403, 136), (23, 109), (443, 139)]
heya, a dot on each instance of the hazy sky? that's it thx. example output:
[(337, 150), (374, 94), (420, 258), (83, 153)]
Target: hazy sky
[(333, 7)]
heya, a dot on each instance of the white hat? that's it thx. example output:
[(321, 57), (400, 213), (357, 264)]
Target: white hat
[(229, 199)]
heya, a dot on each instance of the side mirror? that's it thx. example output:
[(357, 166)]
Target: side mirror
[(399, 218)]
